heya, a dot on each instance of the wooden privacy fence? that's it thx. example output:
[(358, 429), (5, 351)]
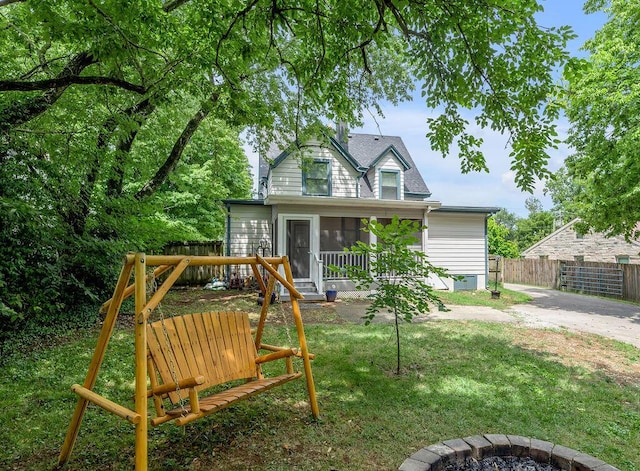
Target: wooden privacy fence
[(197, 275), (607, 279), (530, 271)]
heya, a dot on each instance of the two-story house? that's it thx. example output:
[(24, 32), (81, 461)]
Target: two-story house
[(311, 208)]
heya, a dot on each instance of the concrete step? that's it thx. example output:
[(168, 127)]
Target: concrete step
[(308, 297), (305, 286), (307, 289)]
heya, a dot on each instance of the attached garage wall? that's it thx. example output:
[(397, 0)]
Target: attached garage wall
[(248, 224), (457, 242)]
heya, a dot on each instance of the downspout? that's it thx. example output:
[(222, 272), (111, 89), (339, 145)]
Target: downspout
[(486, 252), (425, 232)]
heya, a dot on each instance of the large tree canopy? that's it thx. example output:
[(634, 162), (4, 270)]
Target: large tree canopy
[(119, 121), (603, 107), (279, 66)]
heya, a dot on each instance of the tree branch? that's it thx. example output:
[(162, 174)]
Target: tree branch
[(173, 4), (178, 148), (22, 111), (4, 3), (240, 15), (65, 81)]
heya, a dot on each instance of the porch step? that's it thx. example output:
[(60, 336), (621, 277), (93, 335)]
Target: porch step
[(308, 297), (305, 286), (307, 289)]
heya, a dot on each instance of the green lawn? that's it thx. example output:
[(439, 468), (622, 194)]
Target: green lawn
[(483, 298), (459, 379)]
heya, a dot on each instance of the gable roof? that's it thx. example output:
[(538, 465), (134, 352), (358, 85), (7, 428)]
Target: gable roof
[(362, 152), (393, 151), (550, 236), (562, 229), (369, 148)]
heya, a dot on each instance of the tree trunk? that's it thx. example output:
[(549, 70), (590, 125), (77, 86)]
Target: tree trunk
[(178, 148), (395, 316), (139, 113)]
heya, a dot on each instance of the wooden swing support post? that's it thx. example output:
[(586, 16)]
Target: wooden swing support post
[(175, 265)]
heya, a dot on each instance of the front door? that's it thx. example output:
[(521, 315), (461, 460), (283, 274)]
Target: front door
[(299, 247)]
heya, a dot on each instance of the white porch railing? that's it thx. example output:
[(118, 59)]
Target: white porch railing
[(340, 259), (317, 272)]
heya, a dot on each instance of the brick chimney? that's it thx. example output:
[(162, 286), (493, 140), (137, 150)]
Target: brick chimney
[(342, 134)]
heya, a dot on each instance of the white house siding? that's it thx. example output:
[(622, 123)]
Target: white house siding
[(286, 178), (389, 162), (457, 242), (249, 224), (343, 179)]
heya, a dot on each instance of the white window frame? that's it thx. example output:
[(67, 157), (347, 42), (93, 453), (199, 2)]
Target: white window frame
[(305, 191), (623, 259), (380, 186)]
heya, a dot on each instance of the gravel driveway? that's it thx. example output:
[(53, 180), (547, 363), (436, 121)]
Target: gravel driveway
[(558, 309)]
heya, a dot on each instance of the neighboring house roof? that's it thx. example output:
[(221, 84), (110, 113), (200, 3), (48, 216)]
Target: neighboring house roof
[(363, 151), (550, 236), (558, 231)]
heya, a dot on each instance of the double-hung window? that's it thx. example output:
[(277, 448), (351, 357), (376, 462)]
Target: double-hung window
[(316, 178), (389, 185)]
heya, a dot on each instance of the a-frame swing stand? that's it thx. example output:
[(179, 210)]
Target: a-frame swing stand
[(185, 355)]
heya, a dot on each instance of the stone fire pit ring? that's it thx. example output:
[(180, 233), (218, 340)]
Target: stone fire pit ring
[(437, 456)]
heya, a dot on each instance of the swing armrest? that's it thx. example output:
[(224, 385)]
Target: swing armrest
[(273, 348), (278, 354), (186, 383)]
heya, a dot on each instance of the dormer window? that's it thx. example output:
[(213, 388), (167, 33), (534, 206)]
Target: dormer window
[(389, 185), (316, 178)]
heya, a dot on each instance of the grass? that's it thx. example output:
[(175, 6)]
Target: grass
[(459, 379), (483, 298)]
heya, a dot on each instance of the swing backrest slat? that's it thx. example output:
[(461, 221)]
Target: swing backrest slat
[(216, 345)]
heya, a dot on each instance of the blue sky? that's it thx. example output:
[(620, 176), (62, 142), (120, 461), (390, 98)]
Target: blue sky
[(442, 175)]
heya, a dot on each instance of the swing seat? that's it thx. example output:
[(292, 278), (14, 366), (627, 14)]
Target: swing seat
[(191, 353)]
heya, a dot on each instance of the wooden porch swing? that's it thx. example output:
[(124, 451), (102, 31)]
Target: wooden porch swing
[(184, 355)]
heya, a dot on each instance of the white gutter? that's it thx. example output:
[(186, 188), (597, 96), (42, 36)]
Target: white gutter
[(330, 201)]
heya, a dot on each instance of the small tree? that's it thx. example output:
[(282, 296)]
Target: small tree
[(499, 243), (397, 275)]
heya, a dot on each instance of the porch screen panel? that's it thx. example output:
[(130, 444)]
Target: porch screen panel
[(417, 235), (339, 233)]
